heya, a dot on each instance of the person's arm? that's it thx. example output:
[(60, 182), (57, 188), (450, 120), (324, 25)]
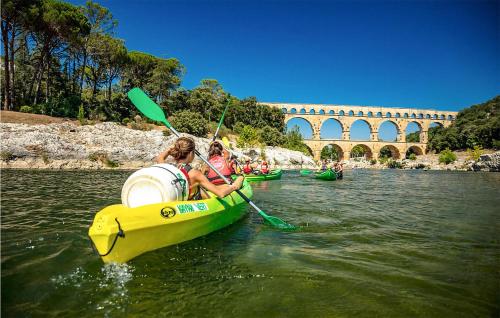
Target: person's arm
[(220, 191), (161, 157)]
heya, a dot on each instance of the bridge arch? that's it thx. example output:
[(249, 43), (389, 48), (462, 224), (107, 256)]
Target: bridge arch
[(305, 127), (331, 112), (370, 114), (321, 112), (414, 149), (351, 113), (360, 129), (388, 130), (332, 152), (341, 113), (365, 152), (413, 132), (331, 128), (436, 124), (293, 110), (312, 111), (389, 151), (303, 111)]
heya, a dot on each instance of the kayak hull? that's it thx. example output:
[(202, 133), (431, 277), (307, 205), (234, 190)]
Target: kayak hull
[(273, 175), (329, 175), (305, 172), (154, 226)]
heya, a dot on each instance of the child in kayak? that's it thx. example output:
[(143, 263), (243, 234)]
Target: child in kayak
[(183, 154), (264, 167), (247, 168), (235, 167), (217, 157)]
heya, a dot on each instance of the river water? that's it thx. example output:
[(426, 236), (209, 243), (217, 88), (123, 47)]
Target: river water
[(386, 243)]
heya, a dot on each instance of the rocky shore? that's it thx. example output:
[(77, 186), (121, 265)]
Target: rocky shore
[(106, 146), (68, 145)]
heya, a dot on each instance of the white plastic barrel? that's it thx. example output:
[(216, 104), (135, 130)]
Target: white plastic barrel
[(155, 184)]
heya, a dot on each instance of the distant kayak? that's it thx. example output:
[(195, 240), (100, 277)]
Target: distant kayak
[(273, 175), (305, 172), (326, 175)]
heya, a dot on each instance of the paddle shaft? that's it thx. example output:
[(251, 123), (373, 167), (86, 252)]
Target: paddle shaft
[(243, 196)]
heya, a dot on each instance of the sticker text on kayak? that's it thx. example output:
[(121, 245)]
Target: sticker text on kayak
[(192, 207)]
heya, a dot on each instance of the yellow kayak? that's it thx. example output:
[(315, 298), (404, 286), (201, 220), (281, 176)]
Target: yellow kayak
[(120, 233)]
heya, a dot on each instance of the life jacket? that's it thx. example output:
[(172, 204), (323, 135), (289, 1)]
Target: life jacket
[(264, 168), (221, 165), (247, 169)]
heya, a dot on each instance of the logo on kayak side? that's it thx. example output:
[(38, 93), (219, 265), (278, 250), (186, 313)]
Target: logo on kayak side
[(167, 212), (192, 207)]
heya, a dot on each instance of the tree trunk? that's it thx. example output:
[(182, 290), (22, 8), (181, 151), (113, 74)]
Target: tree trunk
[(5, 39), (83, 71), (47, 86), (12, 68)]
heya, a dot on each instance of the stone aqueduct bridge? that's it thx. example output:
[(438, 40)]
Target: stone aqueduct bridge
[(345, 115)]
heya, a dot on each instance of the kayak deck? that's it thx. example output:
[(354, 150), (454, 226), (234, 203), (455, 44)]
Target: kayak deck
[(273, 175), (120, 233)]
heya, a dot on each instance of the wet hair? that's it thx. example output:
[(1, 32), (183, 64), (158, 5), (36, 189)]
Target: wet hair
[(182, 148), (215, 149)]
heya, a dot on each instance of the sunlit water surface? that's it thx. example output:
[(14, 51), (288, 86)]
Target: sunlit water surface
[(378, 243)]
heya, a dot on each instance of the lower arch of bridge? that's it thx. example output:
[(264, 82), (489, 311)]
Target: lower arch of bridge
[(394, 151), (368, 154), (337, 149), (414, 149)]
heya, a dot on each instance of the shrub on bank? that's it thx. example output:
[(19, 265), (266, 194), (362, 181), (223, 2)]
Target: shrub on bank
[(475, 153), (412, 156), (373, 161), (26, 109), (447, 156), (393, 164)]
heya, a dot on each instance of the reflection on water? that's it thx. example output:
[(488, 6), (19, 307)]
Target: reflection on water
[(386, 243)]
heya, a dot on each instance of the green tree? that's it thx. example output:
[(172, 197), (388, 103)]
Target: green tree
[(57, 25), (165, 78), (189, 122), (249, 137), (329, 152), (413, 137), (358, 151), (271, 136), (139, 70), (294, 141), (478, 125)]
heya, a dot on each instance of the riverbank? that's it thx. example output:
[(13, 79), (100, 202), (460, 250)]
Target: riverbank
[(66, 144)]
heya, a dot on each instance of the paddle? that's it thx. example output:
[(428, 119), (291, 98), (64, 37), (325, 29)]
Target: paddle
[(222, 118), (151, 110)]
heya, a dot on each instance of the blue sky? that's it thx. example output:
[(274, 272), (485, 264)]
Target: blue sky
[(427, 54)]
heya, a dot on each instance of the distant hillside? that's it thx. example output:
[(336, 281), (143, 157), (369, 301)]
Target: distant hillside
[(478, 125)]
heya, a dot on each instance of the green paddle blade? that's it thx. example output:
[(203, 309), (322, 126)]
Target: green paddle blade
[(146, 106), (277, 222)]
